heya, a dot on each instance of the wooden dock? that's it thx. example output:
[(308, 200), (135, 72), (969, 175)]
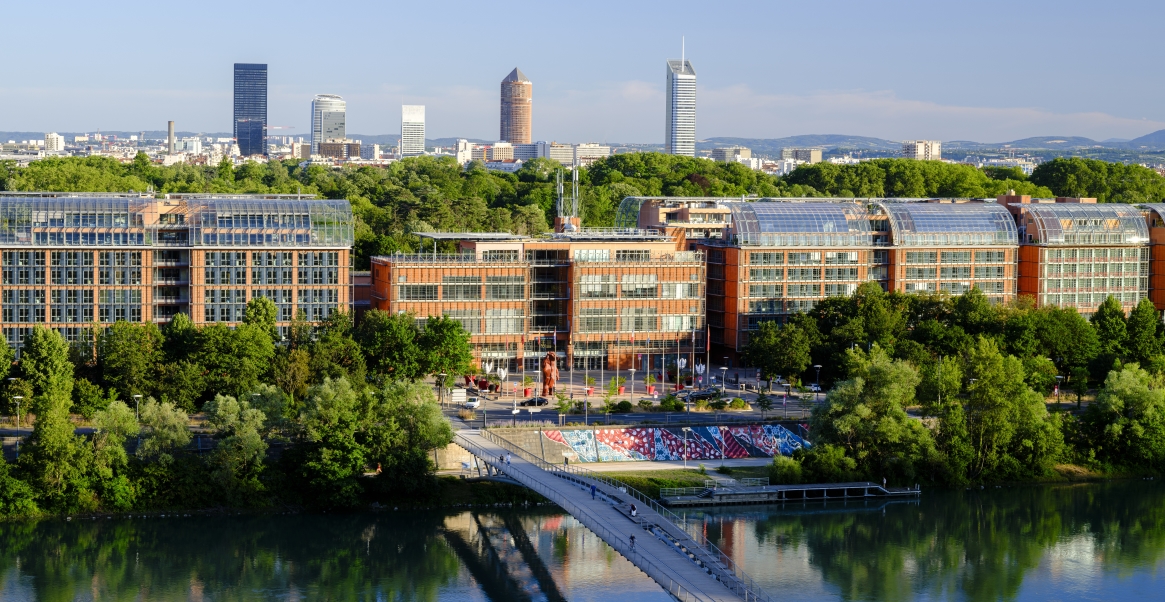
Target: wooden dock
[(718, 495)]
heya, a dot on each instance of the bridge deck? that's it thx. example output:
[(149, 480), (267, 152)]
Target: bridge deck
[(687, 569)]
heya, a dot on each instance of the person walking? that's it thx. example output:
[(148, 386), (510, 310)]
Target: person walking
[(593, 491), (633, 543), (883, 482), (634, 511), (508, 456)]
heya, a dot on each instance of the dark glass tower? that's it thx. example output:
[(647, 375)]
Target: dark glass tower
[(251, 108)]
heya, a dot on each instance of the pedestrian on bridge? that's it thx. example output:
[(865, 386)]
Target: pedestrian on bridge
[(632, 543), (593, 490), (634, 511), (508, 458)]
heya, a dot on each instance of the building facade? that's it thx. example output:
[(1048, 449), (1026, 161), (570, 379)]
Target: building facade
[(74, 261), (412, 130), (250, 114), (730, 154), (517, 108), (339, 149), (807, 155), (54, 142), (329, 120), (922, 150), (679, 137)]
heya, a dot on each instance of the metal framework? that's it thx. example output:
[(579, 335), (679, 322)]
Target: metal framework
[(814, 224), (1067, 224), (950, 224)]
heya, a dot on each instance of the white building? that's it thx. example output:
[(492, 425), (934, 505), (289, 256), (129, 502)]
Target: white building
[(328, 120), (370, 152), (54, 142), (922, 150), (679, 136), (1027, 166), (412, 130), (506, 165), (189, 145), (464, 151)]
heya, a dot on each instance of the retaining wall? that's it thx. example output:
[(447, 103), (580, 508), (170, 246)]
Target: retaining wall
[(630, 444)]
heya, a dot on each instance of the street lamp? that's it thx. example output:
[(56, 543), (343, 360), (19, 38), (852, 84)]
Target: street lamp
[(686, 429), (137, 401), (632, 372), (17, 398), (1058, 379), (680, 364), (818, 383)]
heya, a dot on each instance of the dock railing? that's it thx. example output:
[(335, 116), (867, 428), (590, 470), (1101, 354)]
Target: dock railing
[(748, 588)]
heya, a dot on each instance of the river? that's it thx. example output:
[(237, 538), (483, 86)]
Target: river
[(1078, 542)]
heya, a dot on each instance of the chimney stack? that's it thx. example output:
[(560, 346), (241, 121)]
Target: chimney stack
[(170, 137)]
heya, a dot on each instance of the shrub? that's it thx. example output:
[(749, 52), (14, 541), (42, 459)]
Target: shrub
[(718, 404), (646, 405), (828, 464), (623, 407), (722, 469), (701, 405), (785, 471), (738, 404), (466, 414)]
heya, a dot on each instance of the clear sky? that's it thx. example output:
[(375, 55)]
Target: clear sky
[(986, 71)]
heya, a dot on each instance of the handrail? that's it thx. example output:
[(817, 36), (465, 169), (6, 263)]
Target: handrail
[(751, 590), (645, 558)]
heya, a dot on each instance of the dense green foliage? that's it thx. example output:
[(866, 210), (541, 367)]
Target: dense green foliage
[(979, 374), (312, 396), (427, 193)]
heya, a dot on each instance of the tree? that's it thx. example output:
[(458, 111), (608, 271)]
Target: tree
[(263, 313), (292, 371), (234, 359), (1125, 426), (765, 403), (17, 499), (165, 429), (402, 425), (1111, 332), (865, 418), (390, 344), (181, 383), (129, 354), (7, 356), (1143, 340), (112, 426), (56, 461), (778, 350), (445, 347), (88, 398), (334, 458), (238, 458)]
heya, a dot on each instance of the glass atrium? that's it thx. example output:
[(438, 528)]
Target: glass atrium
[(1070, 224), (813, 224), (917, 224)]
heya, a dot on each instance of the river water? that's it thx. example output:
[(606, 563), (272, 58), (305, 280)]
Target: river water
[(1079, 542)]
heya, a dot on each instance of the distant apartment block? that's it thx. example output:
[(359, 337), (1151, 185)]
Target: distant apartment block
[(412, 130), (501, 151), (516, 108), (329, 117), (730, 154), (922, 150), (680, 111), (250, 111), (339, 149), (54, 142), (805, 155)]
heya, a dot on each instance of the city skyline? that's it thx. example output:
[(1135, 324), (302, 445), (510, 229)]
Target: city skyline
[(807, 84)]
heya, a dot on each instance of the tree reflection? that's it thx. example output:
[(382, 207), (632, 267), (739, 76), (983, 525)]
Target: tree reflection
[(976, 544)]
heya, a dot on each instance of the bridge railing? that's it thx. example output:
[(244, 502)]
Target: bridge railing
[(748, 588), (637, 555)]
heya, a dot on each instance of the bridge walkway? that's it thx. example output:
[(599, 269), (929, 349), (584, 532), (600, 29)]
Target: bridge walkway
[(689, 570)]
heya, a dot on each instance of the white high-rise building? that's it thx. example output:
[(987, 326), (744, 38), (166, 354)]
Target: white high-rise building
[(680, 130), (412, 130), (328, 120), (922, 150), (54, 142), (464, 152)]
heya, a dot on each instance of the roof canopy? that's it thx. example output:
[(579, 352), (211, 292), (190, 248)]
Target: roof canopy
[(1086, 224), (815, 224), (943, 224)]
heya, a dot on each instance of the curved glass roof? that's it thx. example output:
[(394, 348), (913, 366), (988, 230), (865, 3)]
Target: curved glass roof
[(942, 224), (817, 224), (1085, 223)]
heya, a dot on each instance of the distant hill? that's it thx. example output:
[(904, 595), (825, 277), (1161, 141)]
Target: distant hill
[(1154, 140)]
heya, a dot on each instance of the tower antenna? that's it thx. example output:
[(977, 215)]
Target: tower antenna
[(682, 58)]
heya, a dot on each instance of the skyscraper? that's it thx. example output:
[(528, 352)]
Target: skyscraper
[(517, 97), (679, 136), (250, 123), (412, 130), (328, 120)]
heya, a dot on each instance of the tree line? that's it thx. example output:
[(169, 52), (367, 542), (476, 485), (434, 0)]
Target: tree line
[(420, 194), (296, 418), (978, 377)]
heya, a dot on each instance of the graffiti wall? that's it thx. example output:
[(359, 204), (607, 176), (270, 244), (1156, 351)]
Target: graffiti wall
[(668, 443)]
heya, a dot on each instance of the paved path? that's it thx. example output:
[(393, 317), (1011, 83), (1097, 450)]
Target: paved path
[(687, 569)]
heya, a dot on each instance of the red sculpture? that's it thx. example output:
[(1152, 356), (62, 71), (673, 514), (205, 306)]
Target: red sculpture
[(549, 373)]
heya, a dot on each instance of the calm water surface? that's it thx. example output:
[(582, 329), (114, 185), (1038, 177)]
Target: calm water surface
[(1083, 542)]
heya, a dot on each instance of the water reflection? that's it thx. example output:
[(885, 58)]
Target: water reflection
[(514, 555), (1102, 541)]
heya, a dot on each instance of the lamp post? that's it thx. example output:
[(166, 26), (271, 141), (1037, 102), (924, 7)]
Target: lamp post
[(686, 429), (137, 402), (632, 372), (1058, 379), (818, 383), (17, 399), (724, 375), (680, 364)]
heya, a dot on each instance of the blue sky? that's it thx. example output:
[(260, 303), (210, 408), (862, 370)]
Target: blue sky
[(986, 71)]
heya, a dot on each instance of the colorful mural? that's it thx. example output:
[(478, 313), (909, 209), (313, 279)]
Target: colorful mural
[(667, 443)]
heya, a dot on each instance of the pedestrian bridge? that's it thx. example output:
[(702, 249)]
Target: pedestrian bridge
[(688, 567)]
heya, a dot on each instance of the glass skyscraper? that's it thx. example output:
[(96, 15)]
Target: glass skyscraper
[(329, 114), (250, 123), (680, 130)]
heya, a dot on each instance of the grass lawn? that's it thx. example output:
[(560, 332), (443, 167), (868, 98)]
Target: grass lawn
[(650, 481)]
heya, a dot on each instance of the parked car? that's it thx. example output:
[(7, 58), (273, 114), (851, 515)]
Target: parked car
[(473, 403), (814, 387), (697, 394), (534, 401)]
